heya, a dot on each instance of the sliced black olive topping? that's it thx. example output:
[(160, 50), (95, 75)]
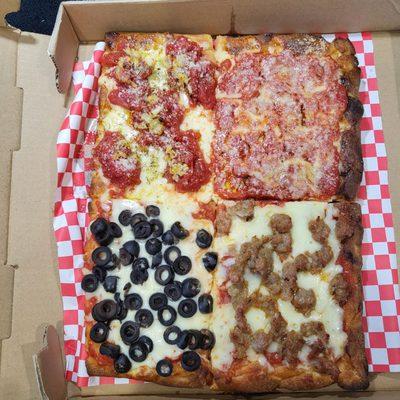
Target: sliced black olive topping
[(117, 297), (171, 334), (101, 256), (147, 342), (156, 260), (152, 211), (121, 311), (89, 283), (105, 310), (125, 257), (183, 339), (132, 247), (173, 290), (171, 254), (141, 263), (127, 286), (104, 238), (210, 261), (138, 351), (164, 368), (166, 315), (205, 303), (187, 308), (139, 217), (190, 361), (129, 332), (110, 284), (139, 276), (191, 287), (116, 231), (142, 230), (195, 339), (124, 217), (182, 265), (179, 231), (157, 227), (208, 339), (144, 318), (153, 246), (133, 301), (100, 272), (98, 226), (164, 275), (122, 364), (203, 239), (110, 350), (115, 262), (168, 238), (157, 301), (99, 332)]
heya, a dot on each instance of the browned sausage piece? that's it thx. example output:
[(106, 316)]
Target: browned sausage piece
[(292, 344), (304, 300), (223, 221), (282, 243), (339, 289), (281, 223), (260, 341), (244, 209), (319, 230)]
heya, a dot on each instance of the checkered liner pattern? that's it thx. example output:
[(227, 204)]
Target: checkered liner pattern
[(381, 320)]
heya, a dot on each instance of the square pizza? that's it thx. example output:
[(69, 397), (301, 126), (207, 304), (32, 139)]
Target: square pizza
[(224, 249)]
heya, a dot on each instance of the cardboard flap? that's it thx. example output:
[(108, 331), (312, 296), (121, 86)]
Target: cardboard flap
[(6, 296), (49, 367), (63, 49)]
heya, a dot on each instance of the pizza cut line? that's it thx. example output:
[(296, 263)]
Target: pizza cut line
[(215, 255)]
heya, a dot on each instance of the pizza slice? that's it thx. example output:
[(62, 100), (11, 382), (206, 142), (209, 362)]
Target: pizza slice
[(286, 118), (288, 297)]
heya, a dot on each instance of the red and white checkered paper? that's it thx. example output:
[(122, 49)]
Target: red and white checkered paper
[(381, 320)]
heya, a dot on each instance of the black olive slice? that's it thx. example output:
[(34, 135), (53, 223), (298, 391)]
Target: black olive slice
[(138, 351), (126, 287), (144, 318), (147, 342), (152, 211), (105, 310), (110, 284), (179, 231), (187, 308), (203, 239), (99, 332), (122, 364), (171, 335), (124, 217), (116, 231), (142, 230), (125, 257), (195, 339), (168, 238), (101, 256), (164, 275), (164, 368), (133, 301), (157, 301), (183, 339), (121, 311), (89, 283), (113, 264), (141, 263), (208, 339), (139, 217), (182, 265), (153, 246), (104, 238), (156, 260), (132, 247), (129, 332), (166, 315), (157, 227), (173, 290), (210, 261), (110, 350), (139, 276), (171, 254), (191, 287), (205, 302), (190, 361), (99, 225), (100, 272)]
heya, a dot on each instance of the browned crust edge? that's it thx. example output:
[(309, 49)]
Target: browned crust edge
[(353, 365)]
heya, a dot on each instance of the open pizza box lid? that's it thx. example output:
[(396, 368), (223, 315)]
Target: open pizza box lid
[(34, 97)]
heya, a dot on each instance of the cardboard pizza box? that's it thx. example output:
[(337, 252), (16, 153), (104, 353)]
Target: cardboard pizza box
[(34, 96)]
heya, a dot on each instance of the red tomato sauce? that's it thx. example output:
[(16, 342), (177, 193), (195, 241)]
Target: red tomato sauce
[(206, 211)]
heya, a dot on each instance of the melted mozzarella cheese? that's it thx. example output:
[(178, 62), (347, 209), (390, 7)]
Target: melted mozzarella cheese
[(117, 120), (257, 319)]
